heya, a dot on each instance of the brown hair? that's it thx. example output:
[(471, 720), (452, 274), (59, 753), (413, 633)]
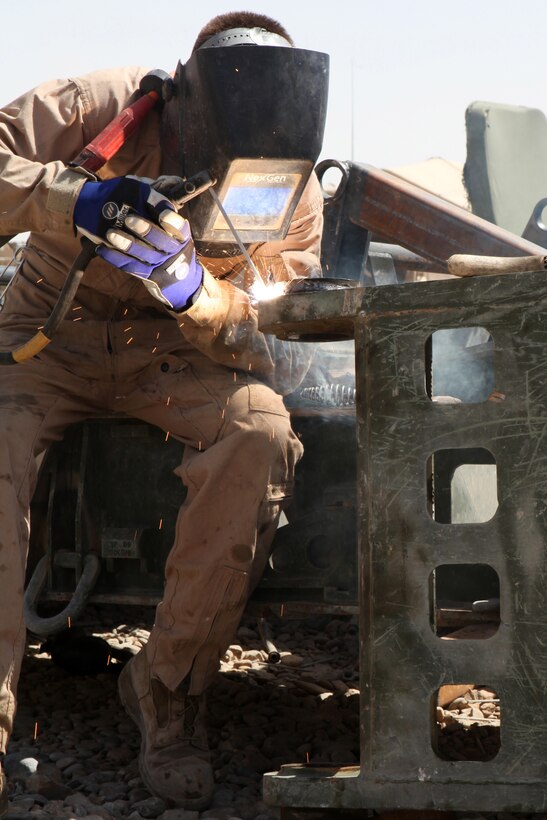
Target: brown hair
[(239, 19)]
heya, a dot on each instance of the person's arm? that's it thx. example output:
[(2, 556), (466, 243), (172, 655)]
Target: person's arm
[(223, 323), (40, 133)]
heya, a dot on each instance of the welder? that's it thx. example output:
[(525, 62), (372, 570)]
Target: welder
[(162, 330)]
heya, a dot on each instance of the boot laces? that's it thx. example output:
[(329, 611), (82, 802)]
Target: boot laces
[(185, 710)]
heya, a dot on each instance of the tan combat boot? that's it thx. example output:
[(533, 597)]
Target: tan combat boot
[(174, 756)]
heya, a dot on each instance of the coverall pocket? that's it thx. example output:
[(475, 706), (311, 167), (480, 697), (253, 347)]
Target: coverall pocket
[(224, 601), (160, 370), (182, 402)]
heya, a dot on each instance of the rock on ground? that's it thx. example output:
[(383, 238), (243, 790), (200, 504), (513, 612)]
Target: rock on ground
[(74, 751)]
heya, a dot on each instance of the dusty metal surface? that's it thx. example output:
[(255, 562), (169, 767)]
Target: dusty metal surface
[(404, 661)]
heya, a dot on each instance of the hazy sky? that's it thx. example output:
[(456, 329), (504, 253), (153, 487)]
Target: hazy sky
[(402, 72)]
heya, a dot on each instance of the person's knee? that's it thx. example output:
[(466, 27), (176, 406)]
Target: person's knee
[(273, 433)]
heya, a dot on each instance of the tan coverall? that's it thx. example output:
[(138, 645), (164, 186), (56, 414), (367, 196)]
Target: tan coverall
[(208, 376)]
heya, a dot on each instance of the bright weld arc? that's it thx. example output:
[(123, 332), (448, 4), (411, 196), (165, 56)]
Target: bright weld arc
[(263, 292)]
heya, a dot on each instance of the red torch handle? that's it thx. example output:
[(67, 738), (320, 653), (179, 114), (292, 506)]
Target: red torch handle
[(110, 140)]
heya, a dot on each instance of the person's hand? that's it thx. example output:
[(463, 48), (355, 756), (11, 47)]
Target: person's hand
[(137, 230)]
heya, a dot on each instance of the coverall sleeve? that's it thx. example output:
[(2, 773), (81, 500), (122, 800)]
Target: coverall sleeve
[(40, 133), (223, 323)]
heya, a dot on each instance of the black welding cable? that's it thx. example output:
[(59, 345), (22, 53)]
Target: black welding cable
[(66, 296)]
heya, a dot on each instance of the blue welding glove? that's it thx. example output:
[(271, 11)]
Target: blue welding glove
[(137, 230)]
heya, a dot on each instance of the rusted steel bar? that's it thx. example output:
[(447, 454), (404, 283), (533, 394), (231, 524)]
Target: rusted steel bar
[(425, 224)]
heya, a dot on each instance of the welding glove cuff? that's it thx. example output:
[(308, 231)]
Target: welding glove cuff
[(174, 279)]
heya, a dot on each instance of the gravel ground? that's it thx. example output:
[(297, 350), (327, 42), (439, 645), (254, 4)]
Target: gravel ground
[(74, 751)]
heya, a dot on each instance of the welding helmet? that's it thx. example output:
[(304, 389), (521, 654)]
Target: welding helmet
[(252, 113)]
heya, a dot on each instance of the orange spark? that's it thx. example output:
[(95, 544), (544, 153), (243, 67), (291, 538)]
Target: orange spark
[(77, 308), (235, 376), (199, 445), (129, 341), (69, 622), (167, 435), (161, 524), (108, 661), (41, 279), (35, 730), (168, 400), (154, 349), (157, 335), (127, 328), (126, 311), (77, 319)]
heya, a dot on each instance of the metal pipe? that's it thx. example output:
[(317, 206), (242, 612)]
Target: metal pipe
[(264, 630)]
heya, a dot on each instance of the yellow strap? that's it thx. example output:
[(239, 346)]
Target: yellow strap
[(31, 348)]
